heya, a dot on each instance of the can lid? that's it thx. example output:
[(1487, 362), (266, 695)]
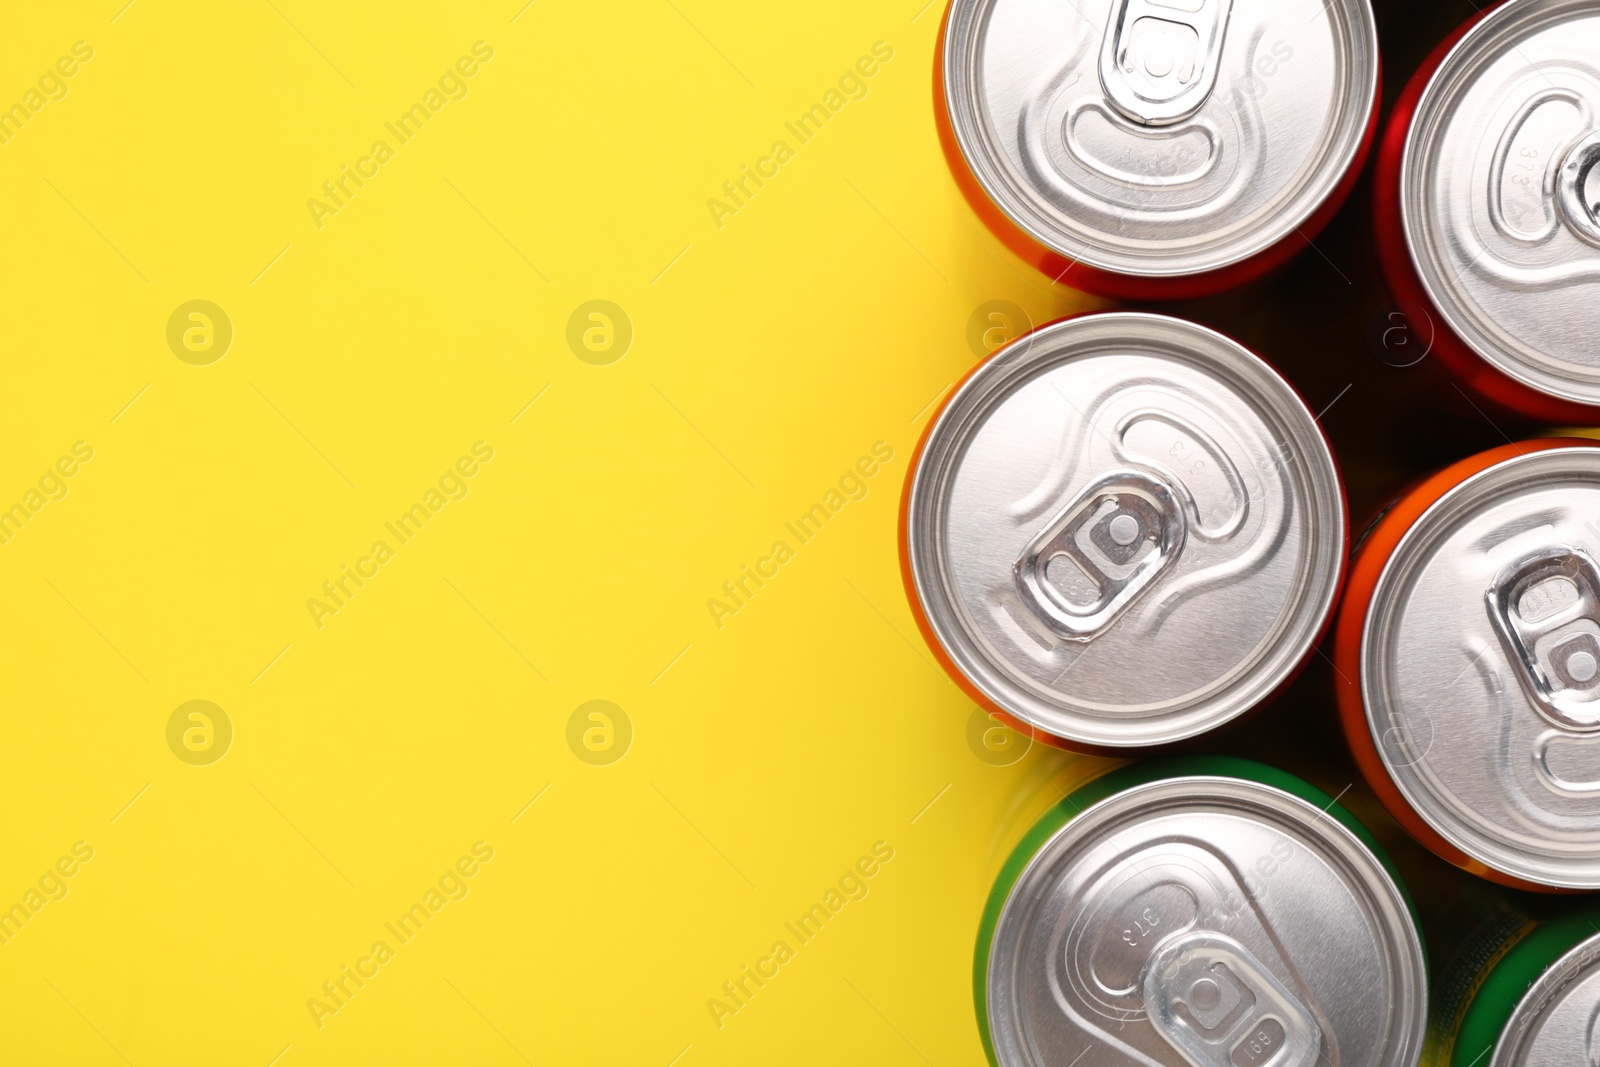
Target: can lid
[(1205, 921), (1125, 529), (1480, 667), (1160, 137), (1501, 198), (1558, 1019)]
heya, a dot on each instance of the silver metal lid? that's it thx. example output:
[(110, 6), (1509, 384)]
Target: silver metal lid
[(1205, 922), (1557, 1022), (1160, 137), (1480, 667), (1125, 529), (1500, 195)]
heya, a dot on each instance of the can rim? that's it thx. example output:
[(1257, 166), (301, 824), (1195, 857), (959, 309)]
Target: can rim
[(1319, 491), (1454, 68), (1388, 591), (1244, 786), (986, 161)]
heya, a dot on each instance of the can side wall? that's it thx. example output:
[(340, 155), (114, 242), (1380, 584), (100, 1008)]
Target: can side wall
[(1506, 980)]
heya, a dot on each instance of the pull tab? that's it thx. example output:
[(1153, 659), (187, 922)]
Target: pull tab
[(1219, 1007), (1580, 204), (1120, 533), (1546, 608), (1159, 60)]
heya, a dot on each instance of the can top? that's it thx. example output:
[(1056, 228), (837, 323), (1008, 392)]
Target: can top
[(1125, 529), (1554, 1022), (1205, 922), (1500, 196), (1480, 666), (1160, 138)]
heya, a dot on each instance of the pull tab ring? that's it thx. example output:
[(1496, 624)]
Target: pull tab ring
[(1546, 608), (1217, 1006), (1121, 533), (1159, 62)]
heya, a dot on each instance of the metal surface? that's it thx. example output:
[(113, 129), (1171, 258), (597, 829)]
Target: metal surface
[(1478, 662), (1205, 922), (1499, 193), (1125, 529), (1557, 1020), (1160, 137)]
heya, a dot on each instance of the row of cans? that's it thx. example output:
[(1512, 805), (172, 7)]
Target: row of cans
[(1170, 149), (1214, 912), (1124, 530)]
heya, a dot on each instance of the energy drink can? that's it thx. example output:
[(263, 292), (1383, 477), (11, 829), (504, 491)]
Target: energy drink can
[(1199, 912), (1488, 206), (1535, 1001), (1122, 531), (1468, 655), (1156, 149)]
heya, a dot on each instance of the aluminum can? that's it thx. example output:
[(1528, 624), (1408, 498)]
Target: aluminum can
[(1468, 656), (1534, 1000), (1122, 531), (1488, 206), (1199, 912), (1156, 149)]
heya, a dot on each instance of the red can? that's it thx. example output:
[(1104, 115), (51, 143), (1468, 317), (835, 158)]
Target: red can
[(1151, 150), (1486, 207), (1468, 656)]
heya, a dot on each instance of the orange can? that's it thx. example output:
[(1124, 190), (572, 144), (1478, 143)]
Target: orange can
[(1156, 149), (1468, 657)]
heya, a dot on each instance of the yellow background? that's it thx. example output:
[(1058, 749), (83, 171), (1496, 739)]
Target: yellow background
[(368, 354)]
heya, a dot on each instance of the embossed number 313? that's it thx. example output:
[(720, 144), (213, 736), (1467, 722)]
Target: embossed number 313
[(1144, 924)]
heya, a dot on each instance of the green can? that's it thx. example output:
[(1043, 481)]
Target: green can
[(1199, 912), (1534, 1001)]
